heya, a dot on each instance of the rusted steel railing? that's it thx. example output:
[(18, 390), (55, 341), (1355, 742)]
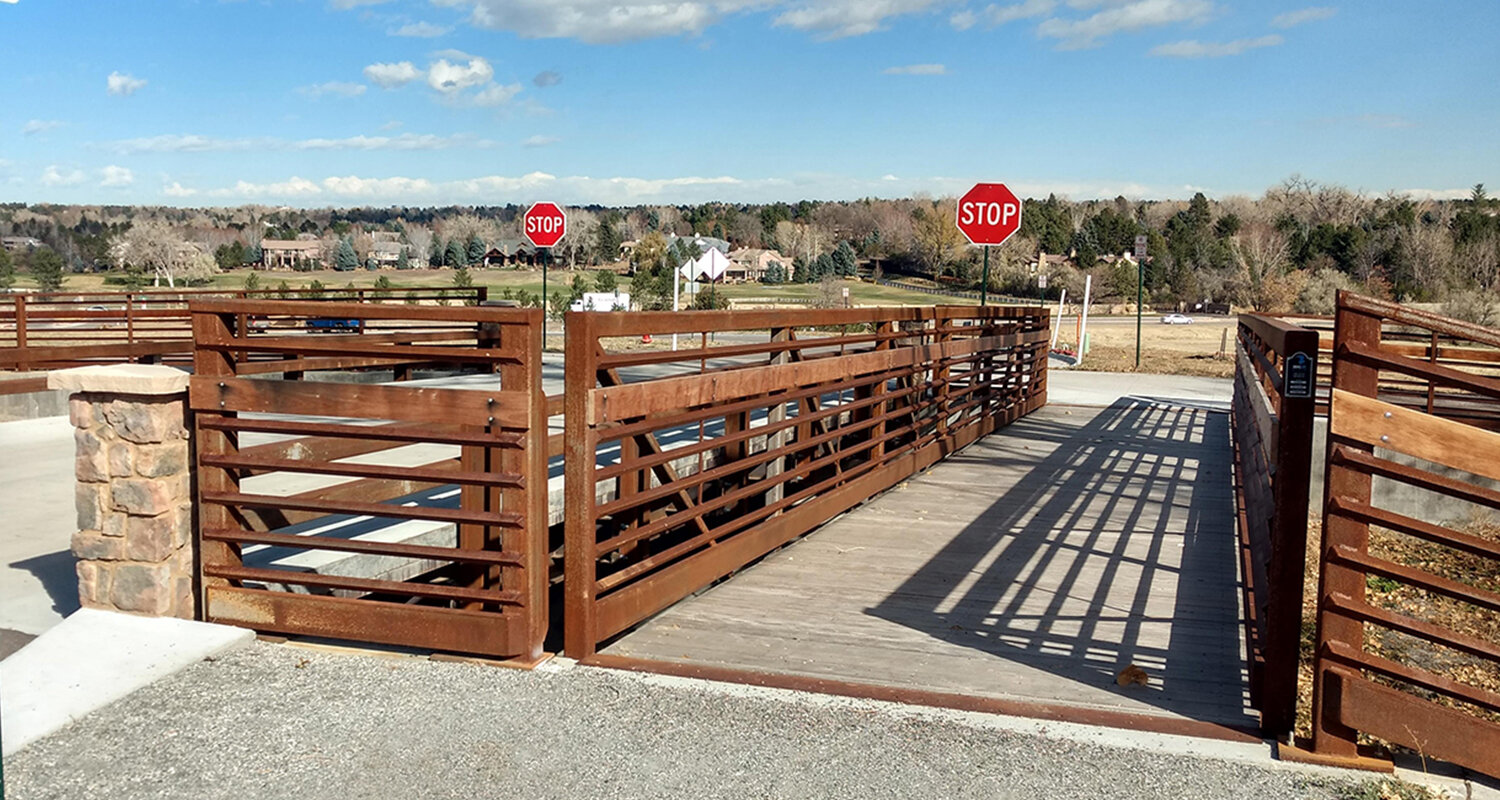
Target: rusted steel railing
[(409, 513), (682, 467), (1434, 440), (1272, 419), (55, 330)]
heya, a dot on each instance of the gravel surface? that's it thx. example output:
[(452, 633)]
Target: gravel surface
[(281, 721)]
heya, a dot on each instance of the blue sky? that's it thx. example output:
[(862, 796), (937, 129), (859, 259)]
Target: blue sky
[(421, 102)]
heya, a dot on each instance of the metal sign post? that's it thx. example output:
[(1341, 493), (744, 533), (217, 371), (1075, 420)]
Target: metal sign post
[(1140, 283)]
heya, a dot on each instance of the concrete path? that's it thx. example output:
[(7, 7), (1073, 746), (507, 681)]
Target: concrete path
[(1081, 388), (93, 659), (38, 586), (284, 721)]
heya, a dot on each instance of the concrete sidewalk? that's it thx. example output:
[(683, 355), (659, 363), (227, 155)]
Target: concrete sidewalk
[(285, 721), (38, 586), (1081, 388)]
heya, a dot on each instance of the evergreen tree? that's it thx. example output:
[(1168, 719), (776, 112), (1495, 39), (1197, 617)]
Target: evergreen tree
[(775, 273), (607, 240), (844, 262), (461, 277), (315, 289), (345, 260), (47, 269), (823, 267), (435, 254), (403, 261), (605, 281), (801, 270), (580, 285), (7, 270), (475, 251), (252, 282), (718, 231), (383, 284), (454, 256), (253, 254)]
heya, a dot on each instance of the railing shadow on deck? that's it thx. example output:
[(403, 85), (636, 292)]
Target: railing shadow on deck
[(1140, 475)]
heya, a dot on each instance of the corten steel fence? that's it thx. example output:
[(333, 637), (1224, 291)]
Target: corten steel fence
[(1272, 419), (683, 467), (410, 514), (55, 330), (1414, 417)]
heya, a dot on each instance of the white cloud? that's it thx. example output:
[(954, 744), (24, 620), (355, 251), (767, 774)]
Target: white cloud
[(405, 141), (36, 126), (292, 187), (122, 84), (833, 19), (539, 141), (995, 15), (916, 69), (495, 95), (336, 88), (115, 177), (1192, 48), (393, 75), (600, 21), (1437, 194), (448, 77), (547, 78), (1078, 34), (421, 30), (353, 186), (175, 189), (52, 176), (1292, 19)]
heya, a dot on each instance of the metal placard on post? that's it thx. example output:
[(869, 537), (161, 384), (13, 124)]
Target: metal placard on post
[(1297, 381)]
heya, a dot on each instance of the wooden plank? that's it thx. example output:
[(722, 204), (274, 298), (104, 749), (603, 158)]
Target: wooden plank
[(456, 630), (368, 401), (1419, 435)]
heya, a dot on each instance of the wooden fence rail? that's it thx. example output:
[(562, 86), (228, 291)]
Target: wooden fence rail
[(684, 466), (56, 330)]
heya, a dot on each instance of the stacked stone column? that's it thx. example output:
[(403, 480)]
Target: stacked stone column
[(134, 491)]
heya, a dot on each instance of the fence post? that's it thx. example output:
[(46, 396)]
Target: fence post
[(580, 630), (24, 363), (134, 542), (1330, 736), (1284, 575)]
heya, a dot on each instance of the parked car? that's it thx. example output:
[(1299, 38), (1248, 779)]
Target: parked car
[(327, 325), (1177, 319)]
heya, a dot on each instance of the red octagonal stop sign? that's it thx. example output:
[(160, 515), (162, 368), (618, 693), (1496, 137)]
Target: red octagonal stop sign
[(989, 213), (545, 224)]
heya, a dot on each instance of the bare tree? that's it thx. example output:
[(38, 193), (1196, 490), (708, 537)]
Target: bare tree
[(160, 249), (419, 237)]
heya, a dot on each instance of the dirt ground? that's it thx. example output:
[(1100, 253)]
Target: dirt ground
[(1165, 349)]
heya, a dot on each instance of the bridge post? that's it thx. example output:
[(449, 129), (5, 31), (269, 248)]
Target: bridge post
[(134, 542)]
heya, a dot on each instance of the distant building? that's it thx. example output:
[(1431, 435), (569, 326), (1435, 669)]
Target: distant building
[(627, 248), (386, 254), (14, 243), (751, 263), (510, 253), (281, 254)]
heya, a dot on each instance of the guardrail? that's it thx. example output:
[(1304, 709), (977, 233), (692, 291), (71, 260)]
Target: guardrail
[(1272, 419), (45, 331), (412, 514), (1414, 414), (683, 466)]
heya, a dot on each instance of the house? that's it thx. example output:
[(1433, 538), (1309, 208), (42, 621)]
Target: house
[(1047, 262), (511, 253), (751, 263), (281, 254), (14, 243), (386, 254), (703, 243)]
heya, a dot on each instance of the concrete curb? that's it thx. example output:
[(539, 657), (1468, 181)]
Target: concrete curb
[(94, 658)]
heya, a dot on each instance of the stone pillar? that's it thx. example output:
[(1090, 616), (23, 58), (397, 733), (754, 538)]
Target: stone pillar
[(134, 543)]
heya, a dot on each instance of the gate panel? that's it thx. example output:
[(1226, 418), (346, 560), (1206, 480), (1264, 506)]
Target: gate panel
[(337, 498), (685, 466), (1413, 416)]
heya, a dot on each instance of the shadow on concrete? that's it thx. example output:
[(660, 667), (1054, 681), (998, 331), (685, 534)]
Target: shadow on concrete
[(58, 576)]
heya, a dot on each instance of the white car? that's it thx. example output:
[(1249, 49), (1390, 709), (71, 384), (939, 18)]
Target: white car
[(1176, 319)]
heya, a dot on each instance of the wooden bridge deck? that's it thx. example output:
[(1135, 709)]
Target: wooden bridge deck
[(1033, 567)]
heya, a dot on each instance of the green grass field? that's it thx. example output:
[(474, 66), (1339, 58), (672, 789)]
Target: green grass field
[(860, 293)]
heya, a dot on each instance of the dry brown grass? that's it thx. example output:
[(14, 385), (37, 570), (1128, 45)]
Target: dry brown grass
[(1165, 349)]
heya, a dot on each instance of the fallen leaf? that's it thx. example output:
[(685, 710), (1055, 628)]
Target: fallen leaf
[(1133, 674)]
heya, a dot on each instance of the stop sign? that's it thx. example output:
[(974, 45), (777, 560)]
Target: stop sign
[(989, 213), (545, 224)]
